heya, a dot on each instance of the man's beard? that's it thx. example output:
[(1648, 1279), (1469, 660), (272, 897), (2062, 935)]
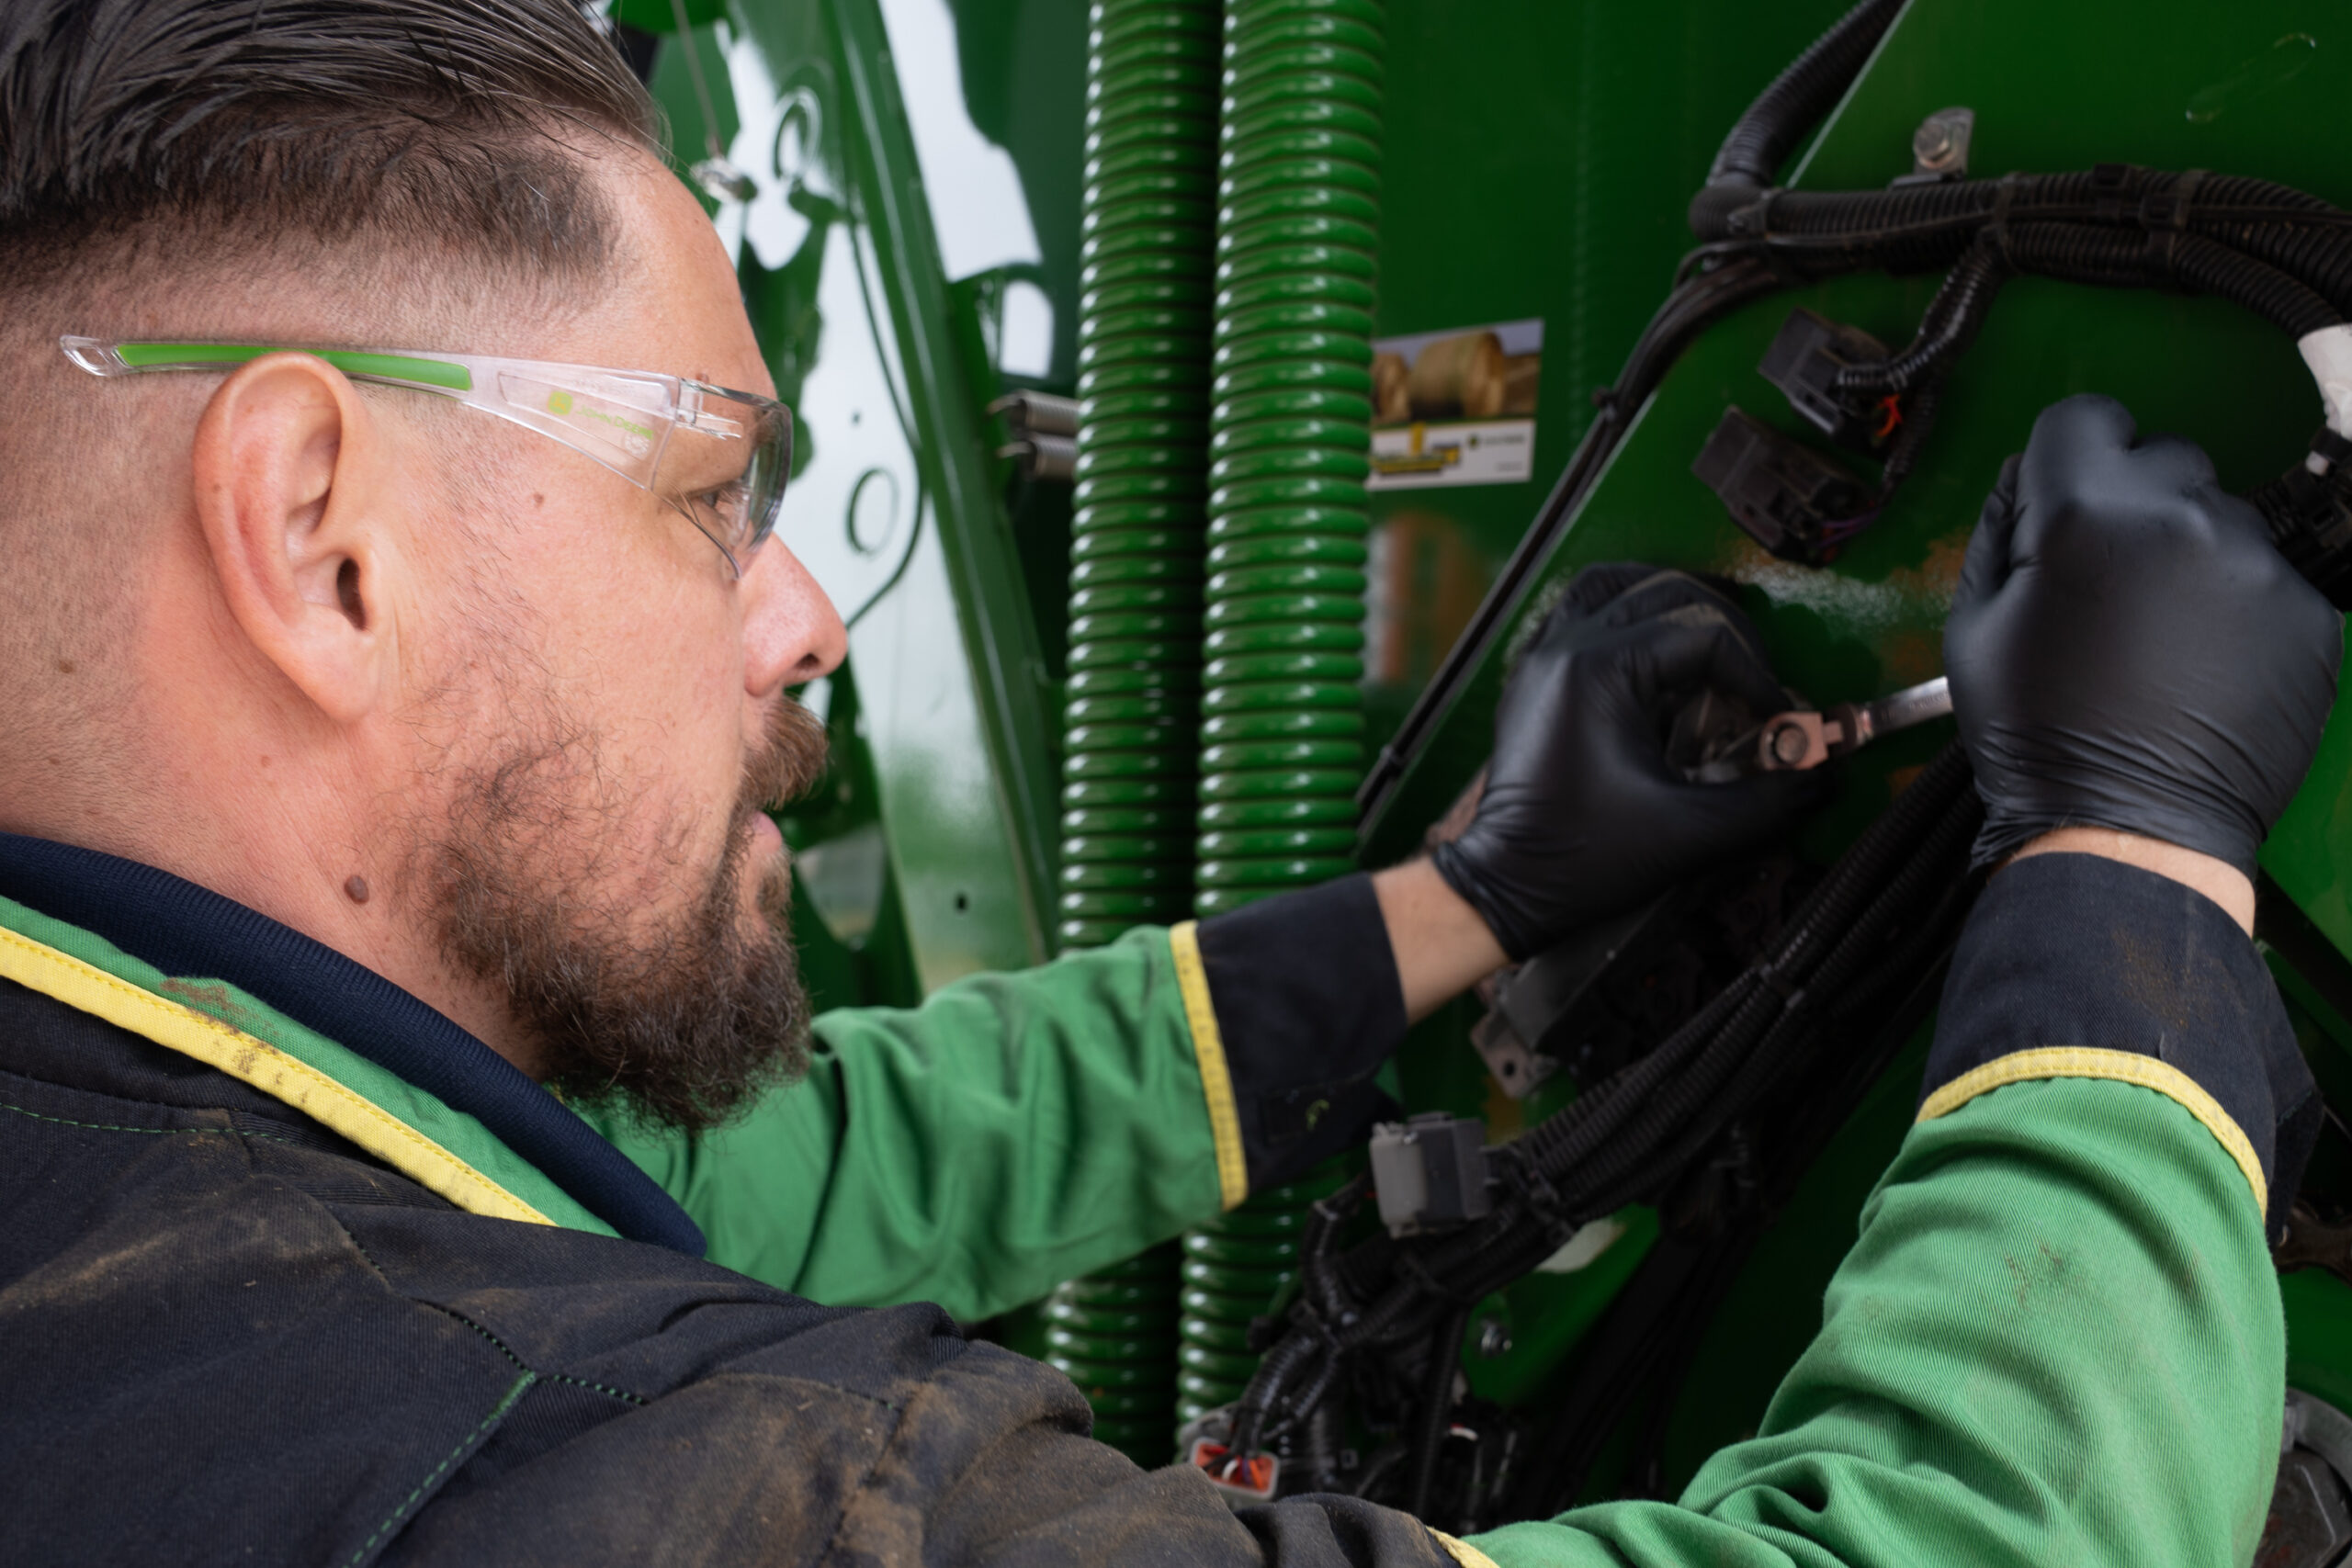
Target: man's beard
[(676, 1019)]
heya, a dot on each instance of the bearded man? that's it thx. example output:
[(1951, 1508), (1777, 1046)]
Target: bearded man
[(395, 647)]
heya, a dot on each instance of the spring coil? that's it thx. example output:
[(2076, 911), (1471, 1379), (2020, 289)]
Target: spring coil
[(1143, 350), (1113, 1335), (1282, 732), (1147, 257)]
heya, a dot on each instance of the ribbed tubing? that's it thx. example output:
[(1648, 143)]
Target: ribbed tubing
[(1281, 731), (1145, 309), (1147, 256), (1113, 1335), (1298, 211)]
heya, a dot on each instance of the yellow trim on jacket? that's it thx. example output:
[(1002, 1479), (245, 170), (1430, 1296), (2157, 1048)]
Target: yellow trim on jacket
[(1462, 1551), (2120, 1066), (1208, 1050), (178, 1027)]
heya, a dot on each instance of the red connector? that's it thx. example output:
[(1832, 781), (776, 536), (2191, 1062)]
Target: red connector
[(1243, 1478)]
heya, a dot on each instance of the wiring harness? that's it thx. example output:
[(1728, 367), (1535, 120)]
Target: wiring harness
[(2281, 252), (1797, 1033)]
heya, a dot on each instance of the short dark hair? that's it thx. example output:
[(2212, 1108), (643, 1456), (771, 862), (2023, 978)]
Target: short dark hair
[(226, 126)]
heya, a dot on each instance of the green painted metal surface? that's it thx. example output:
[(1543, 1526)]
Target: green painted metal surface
[(1538, 158), (1023, 66), (898, 508), (990, 604), (1539, 155), (2089, 88), (1873, 623)]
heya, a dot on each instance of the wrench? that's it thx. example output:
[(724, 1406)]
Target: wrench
[(1790, 741)]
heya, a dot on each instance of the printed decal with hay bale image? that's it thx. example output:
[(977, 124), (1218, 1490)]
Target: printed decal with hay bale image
[(1456, 407)]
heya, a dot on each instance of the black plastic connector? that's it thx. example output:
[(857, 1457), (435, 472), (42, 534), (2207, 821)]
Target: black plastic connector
[(2309, 512), (1803, 362), (1788, 498)]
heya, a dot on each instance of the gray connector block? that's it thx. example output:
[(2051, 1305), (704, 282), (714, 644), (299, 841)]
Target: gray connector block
[(1429, 1172)]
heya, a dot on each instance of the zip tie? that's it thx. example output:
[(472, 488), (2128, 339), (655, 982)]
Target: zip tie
[(2005, 191), (2164, 244)]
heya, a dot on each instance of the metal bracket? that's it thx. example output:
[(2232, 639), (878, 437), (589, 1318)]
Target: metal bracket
[(1517, 1069), (1043, 431)]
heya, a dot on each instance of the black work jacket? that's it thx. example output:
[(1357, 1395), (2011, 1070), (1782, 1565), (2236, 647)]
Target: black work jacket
[(227, 1335)]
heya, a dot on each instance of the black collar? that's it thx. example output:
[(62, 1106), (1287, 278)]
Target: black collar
[(184, 929)]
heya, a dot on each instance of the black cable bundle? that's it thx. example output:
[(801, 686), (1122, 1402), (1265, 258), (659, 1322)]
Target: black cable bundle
[(1785, 113), (2077, 252), (1888, 908)]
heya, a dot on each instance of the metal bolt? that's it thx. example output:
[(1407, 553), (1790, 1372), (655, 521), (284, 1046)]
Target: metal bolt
[(1787, 745), (1494, 1338), (1939, 146)]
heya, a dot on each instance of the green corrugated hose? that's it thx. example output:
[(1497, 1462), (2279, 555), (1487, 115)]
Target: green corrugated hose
[(1135, 651), (1113, 1335), (1298, 213)]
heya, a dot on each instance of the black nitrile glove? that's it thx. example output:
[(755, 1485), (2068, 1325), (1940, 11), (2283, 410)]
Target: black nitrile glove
[(2127, 650), (1582, 815)]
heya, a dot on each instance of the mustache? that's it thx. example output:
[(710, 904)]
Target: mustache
[(789, 764)]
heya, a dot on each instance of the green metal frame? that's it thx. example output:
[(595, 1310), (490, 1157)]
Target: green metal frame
[(971, 843), (996, 619)]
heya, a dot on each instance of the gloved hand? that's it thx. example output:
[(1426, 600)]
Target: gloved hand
[(2127, 650), (1582, 815)]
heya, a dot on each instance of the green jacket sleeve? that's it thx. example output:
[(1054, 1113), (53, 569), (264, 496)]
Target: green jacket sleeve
[(2057, 1340), (1013, 1131), (1019, 1129), (2058, 1337)]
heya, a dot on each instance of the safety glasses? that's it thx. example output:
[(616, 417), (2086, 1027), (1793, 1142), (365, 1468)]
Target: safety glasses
[(719, 456)]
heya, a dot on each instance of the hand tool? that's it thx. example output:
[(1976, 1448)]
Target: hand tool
[(1802, 739)]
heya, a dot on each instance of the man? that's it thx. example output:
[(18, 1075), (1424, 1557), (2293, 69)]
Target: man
[(395, 655), (467, 661)]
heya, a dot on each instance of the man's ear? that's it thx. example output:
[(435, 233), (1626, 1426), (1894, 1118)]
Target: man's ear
[(290, 472)]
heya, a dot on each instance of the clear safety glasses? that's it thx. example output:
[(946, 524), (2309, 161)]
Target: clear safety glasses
[(717, 456)]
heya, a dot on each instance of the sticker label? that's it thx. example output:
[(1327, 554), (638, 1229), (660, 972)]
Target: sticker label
[(1455, 407)]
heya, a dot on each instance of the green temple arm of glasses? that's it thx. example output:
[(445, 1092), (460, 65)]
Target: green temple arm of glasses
[(385, 367)]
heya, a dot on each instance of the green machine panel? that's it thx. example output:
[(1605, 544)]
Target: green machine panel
[(2238, 93), (1539, 159)]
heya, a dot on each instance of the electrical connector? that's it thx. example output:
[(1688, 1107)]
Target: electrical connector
[(1788, 498), (1803, 362), (2309, 510), (1242, 1480), (1429, 1172)]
